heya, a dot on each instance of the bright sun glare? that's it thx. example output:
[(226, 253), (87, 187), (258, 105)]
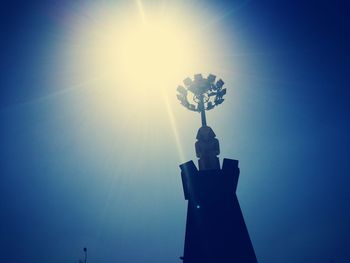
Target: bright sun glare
[(146, 56), (134, 58), (152, 55), (124, 60), (142, 50)]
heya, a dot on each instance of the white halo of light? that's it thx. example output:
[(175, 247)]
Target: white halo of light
[(128, 59)]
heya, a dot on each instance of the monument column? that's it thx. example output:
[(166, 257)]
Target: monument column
[(215, 227)]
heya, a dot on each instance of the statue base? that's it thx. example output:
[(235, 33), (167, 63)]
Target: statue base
[(215, 227)]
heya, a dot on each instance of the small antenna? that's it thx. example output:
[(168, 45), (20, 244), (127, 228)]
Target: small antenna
[(85, 254)]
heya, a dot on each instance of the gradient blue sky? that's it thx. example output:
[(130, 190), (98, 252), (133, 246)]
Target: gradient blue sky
[(67, 182)]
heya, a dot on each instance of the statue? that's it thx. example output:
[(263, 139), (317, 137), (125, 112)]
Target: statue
[(201, 94), (207, 149)]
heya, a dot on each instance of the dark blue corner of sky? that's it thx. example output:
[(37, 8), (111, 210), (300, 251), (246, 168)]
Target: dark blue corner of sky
[(312, 37)]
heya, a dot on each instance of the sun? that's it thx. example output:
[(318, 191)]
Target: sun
[(132, 59), (122, 63), (153, 55), (141, 57)]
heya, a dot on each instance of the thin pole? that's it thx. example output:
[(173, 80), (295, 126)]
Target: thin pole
[(203, 117)]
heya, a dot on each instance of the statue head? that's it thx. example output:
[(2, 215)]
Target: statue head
[(205, 133)]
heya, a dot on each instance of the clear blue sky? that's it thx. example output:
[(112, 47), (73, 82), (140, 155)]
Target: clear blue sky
[(67, 182)]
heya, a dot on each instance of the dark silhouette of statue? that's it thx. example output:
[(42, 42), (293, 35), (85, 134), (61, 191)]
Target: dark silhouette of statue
[(215, 227), (207, 149)]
